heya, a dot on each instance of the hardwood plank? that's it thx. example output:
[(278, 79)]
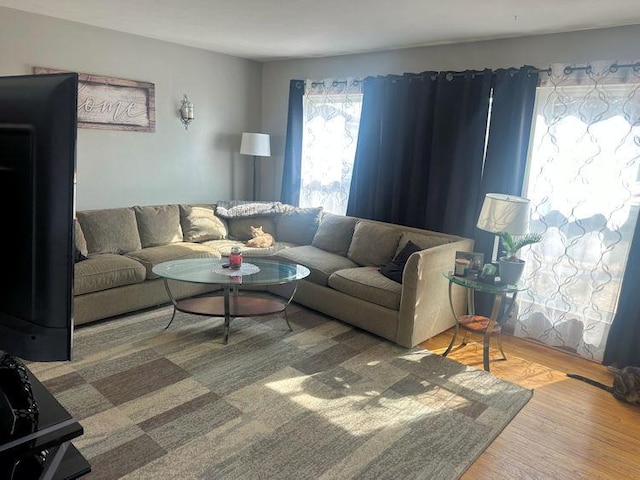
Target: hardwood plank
[(569, 429)]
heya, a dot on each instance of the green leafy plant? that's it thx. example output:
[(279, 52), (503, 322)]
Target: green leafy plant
[(511, 244)]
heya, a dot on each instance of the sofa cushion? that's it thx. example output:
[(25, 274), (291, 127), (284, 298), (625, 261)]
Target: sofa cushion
[(224, 247), (158, 225), (101, 272), (199, 223), (320, 263), (240, 227), (152, 256), (373, 244), (424, 241), (299, 225), (334, 234), (395, 268), (368, 284), (112, 230)]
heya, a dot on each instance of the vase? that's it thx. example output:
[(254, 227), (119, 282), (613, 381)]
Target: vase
[(511, 270)]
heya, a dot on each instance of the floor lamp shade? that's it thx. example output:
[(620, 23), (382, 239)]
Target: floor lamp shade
[(256, 144), (504, 213)]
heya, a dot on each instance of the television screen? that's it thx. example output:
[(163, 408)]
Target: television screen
[(38, 122)]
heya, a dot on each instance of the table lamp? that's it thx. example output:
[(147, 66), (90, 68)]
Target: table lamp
[(503, 213)]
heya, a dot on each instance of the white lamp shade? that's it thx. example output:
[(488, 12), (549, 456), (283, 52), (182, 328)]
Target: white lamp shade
[(504, 213), (257, 144)]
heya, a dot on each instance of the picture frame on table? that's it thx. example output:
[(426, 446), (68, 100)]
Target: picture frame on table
[(468, 264)]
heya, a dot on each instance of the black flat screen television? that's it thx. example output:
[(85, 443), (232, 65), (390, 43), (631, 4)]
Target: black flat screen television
[(38, 127)]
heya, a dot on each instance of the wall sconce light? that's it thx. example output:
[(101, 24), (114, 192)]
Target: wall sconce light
[(186, 112)]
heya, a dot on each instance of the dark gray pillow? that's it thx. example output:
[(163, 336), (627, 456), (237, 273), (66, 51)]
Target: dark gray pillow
[(395, 268)]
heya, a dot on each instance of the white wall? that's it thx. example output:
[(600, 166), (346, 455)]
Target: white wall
[(576, 47), (116, 168)]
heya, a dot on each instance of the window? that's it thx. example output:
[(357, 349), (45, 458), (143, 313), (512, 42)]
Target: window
[(583, 184), (331, 111)]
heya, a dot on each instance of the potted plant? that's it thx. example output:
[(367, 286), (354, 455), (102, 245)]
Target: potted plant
[(511, 267)]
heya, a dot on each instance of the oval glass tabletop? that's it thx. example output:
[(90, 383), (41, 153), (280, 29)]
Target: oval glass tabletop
[(476, 284), (201, 270)]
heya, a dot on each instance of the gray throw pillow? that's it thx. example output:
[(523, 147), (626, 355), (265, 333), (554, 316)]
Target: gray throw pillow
[(158, 225), (199, 224), (334, 233), (298, 226), (373, 244), (112, 230)]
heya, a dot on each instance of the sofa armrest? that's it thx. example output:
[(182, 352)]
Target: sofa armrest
[(424, 305)]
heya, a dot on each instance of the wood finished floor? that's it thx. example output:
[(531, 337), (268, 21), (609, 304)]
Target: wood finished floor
[(568, 430)]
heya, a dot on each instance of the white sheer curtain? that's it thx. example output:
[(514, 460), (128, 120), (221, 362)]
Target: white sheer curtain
[(331, 110), (583, 185)]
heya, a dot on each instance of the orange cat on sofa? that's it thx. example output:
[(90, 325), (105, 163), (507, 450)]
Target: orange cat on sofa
[(260, 238)]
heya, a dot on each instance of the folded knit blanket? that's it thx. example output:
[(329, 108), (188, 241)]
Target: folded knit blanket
[(251, 209)]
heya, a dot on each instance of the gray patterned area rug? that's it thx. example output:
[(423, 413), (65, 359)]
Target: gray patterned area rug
[(326, 401)]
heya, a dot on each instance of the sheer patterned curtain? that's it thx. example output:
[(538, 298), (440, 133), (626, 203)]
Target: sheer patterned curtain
[(583, 185), (331, 112)]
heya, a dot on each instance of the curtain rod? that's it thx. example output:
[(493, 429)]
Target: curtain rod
[(613, 68), (355, 82)]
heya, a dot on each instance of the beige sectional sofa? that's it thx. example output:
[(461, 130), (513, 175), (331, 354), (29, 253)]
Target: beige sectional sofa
[(344, 254)]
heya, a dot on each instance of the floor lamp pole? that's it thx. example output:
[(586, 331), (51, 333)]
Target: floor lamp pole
[(254, 178)]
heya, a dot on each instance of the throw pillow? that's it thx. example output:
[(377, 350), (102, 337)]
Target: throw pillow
[(298, 226), (199, 224), (395, 268), (334, 234), (111, 230), (158, 225), (373, 244)]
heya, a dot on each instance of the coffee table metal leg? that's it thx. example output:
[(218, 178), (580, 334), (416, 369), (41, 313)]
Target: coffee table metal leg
[(173, 301), (227, 315)]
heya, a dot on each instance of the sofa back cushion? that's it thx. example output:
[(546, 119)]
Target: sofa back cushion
[(334, 233), (373, 244), (240, 227), (200, 224), (422, 240), (158, 225), (298, 226), (112, 230)]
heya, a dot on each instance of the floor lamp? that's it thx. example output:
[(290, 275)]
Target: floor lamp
[(257, 145)]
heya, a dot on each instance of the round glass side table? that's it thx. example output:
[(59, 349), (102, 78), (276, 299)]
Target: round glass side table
[(478, 324)]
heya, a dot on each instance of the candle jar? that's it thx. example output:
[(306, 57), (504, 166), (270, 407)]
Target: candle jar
[(235, 258)]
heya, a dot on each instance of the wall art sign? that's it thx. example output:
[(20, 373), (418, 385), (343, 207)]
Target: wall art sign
[(113, 103)]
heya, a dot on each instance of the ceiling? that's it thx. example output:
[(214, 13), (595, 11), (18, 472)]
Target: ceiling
[(277, 29)]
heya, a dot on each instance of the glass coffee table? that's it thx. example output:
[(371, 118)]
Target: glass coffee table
[(255, 272)]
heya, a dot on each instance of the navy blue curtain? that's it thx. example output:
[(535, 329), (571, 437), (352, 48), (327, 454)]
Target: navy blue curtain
[(514, 94), (291, 172), (420, 150), (623, 341)]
